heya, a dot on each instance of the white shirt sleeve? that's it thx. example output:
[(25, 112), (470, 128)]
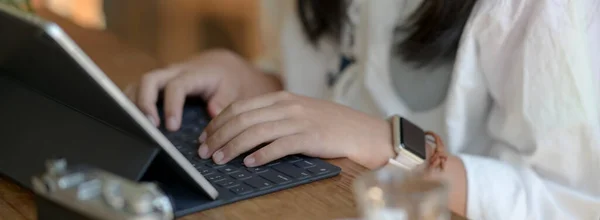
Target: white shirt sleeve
[(544, 120)]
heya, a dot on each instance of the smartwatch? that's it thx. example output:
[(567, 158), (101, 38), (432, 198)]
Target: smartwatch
[(408, 142)]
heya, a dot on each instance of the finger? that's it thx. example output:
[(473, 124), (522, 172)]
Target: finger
[(255, 136), (241, 106), (223, 96), (433, 137), (279, 148), (429, 150), (430, 144), (149, 87), (176, 91), (130, 91), (240, 123)]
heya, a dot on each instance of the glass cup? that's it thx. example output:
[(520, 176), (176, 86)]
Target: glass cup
[(393, 193)]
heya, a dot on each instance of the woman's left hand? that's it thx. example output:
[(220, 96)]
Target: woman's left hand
[(293, 124)]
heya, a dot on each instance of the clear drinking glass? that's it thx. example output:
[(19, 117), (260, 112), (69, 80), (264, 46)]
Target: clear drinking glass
[(393, 193)]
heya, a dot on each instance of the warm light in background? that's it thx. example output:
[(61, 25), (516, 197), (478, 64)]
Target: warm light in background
[(174, 30), (87, 13)]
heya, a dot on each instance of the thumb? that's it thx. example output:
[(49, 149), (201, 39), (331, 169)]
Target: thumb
[(223, 97)]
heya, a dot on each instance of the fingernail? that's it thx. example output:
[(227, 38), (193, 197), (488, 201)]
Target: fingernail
[(218, 156), (203, 151), (151, 119), (172, 123), (249, 160), (202, 138)]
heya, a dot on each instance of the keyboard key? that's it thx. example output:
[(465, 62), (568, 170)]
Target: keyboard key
[(272, 163), (197, 158), (292, 159), (292, 170), (179, 147), (241, 175), (275, 177), (176, 141), (183, 137), (257, 169), (187, 154), (205, 171), (228, 183), (258, 182), (228, 169), (241, 189), (190, 153), (237, 163), (190, 130), (318, 170), (214, 177), (304, 164), (190, 116), (214, 165)]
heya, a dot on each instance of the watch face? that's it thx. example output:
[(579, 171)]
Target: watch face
[(413, 138)]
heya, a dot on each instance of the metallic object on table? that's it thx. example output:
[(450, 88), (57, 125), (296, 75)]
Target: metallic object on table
[(82, 192)]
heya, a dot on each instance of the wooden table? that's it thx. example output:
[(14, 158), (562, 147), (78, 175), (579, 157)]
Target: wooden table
[(326, 199)]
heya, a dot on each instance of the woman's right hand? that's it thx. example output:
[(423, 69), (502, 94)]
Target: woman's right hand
[(220, 77)]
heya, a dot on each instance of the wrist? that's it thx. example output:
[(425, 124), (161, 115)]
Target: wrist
[(258, 83), (274, 81), (378, 149)]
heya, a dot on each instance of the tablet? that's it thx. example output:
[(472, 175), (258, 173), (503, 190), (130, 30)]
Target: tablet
[(62, 62)]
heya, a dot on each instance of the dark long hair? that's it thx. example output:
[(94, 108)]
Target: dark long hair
[(435, 28)]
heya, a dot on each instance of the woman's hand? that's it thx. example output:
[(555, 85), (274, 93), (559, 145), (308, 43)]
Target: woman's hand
[(295, 125), (220, 77)]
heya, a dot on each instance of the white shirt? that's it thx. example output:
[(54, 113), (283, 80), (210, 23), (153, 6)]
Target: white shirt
[(522, 110)]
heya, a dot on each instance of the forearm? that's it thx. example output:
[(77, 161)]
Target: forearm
[(376, 149)]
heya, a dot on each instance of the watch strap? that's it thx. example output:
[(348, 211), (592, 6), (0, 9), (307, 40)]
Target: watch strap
[(436, 161)]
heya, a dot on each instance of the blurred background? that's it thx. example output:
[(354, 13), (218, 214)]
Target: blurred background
[(173, 30)]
